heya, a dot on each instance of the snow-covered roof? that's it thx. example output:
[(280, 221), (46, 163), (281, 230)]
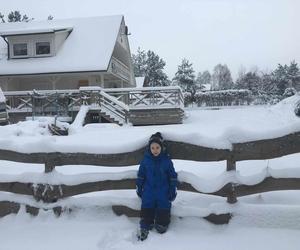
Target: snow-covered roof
[(32, 31), (140, 81), (89, 47), (206, 87)]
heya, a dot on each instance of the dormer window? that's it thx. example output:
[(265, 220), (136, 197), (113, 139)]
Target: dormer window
[(20, 49), (36, 42), (42, 48), (31, 46)]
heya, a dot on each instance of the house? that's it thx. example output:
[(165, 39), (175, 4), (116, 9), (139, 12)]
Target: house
[(65, 54), (54, 67)]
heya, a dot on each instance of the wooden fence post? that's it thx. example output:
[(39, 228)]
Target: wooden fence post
[(231, 194), (49, 166)]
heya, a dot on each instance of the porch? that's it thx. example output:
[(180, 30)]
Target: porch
[(138, 106)]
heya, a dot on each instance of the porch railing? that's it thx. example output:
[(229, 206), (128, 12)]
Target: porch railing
[(48, 101)]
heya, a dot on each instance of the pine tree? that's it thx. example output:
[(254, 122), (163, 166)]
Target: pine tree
[(203, 79), (150, 65), (280, 76), (185, 77), (139, 62), (293, 74), (268, 85), (15, 16), (2, 18), (250, 81), (221, 78)]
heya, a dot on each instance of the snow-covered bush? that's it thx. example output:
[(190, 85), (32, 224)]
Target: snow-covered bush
[(223, 98), (188, 98), (289, 92), (297, 109), (263, 98)]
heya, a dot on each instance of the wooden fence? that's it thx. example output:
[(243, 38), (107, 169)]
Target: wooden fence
[(50, 194)]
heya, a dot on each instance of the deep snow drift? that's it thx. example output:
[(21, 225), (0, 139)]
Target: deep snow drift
[(217, 129)]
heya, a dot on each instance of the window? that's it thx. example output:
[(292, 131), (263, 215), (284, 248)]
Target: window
[(20, 49), (42, 48), (31, 46)]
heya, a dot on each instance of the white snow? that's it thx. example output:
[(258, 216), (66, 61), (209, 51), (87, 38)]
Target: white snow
[(79, 120), (2, 97), (262, 221), (216, 129), (259, 227), (92, 38), (140, 81)]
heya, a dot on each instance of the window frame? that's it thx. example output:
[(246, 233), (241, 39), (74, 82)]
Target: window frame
[(12, 51), (42, 41), (31, 41)]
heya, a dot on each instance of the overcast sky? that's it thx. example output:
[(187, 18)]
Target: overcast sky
[(251, 33)]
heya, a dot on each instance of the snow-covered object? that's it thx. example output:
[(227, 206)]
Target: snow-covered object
[(88, 47), (140, 81), (79, 120), (2, 97)]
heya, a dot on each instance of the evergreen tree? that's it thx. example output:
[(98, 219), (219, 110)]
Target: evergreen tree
[(203, 79), (268, 85), (185, 77), (2, 18), (139, 63), (151, 66), (293, 74), (221, 78), (280, 76), (15, 16), (250, 81)]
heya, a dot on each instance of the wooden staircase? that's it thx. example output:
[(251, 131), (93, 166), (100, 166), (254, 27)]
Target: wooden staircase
[(109, 107)]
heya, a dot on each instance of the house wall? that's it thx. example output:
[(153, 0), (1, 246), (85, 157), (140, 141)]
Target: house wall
[(122, 53), (54, 82), (60, 37)]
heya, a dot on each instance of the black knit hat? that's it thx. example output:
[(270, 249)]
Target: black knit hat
[(157, 138)]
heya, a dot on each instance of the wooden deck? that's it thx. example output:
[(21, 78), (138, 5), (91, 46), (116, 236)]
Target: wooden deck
[(138, 106)]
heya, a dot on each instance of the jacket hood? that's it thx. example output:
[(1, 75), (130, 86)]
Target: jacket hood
[(148, 154)]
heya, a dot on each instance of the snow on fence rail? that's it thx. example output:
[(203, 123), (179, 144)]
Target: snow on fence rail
[(48, 193)]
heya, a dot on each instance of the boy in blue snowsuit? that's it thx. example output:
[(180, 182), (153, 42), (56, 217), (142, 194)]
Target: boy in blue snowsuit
[(156, 186)]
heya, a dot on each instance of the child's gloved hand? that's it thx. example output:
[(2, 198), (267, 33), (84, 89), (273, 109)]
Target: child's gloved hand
[(172, 194)]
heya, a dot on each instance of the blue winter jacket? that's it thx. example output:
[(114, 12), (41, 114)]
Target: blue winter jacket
[(156, 181)]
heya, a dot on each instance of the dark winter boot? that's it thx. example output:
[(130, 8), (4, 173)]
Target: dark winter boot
[(162, 220), (142, 234), (160, 228)]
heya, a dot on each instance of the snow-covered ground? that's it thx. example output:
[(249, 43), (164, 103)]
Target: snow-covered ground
[(262, 221), (217, 128)]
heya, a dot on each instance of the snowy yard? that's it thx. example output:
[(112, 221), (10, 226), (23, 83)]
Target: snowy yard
[(262, 221)]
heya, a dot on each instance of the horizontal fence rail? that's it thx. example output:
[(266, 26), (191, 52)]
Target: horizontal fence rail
[(254, 150)]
